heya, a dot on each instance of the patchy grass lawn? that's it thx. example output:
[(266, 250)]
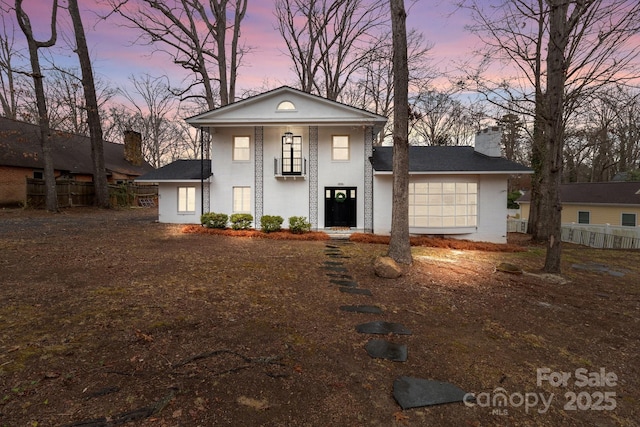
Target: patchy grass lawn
[(109, 318)]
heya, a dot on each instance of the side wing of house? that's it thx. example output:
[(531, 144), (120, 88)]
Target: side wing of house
[(453, 192), (180, 190), (463, 206)]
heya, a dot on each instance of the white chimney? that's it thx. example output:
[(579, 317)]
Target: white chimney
[(488, 141)]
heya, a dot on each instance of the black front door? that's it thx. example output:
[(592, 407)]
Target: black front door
[(340, 207)]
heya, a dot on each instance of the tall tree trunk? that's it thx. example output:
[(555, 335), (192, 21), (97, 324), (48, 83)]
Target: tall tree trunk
[(538, 152), (554, 132), (51, 196), (399, 245), (93, 116), (221, 37), (240, 11)]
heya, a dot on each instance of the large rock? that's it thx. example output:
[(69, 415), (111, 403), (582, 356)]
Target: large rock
[(387, 268)]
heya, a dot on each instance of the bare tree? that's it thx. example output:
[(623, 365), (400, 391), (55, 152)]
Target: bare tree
[(93, 115), (372, 87), (65, 99), (626, 127), (436, 111), (66, 102), (587, 46), (9, 77), (194, 34), (442, 119), (325, 40), (513, 137), (577, 153), (154, 108), (603, 139), (399, 245), (51, 198), (513, 33), (582, 54)]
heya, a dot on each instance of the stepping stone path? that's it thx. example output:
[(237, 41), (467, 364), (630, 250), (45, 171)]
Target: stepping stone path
[(383, 349), (409, 392)]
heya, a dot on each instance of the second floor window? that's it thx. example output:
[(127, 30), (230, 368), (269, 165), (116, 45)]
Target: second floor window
[(241, 147), (340, 147), (292, 155)]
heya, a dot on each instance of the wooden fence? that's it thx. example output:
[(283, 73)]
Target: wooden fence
[(74, 193)]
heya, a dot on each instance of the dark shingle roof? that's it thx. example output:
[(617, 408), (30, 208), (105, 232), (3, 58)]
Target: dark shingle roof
[(180, 170), (446, 159), (605, 193), (20, 147)]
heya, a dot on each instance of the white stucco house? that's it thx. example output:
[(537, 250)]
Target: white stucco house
[(289, 153)]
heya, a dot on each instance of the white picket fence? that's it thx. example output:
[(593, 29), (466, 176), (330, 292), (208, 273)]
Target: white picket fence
[(595, 236)]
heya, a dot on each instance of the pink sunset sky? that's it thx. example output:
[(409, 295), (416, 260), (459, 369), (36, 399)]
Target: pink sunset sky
[(114, 58)]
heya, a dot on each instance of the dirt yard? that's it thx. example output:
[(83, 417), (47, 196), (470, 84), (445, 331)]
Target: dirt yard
[(108, 318)]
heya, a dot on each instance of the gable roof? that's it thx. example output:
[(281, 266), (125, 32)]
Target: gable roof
[(180, 170), (597, 193), (20, 147), (437, 160), (262, 110)]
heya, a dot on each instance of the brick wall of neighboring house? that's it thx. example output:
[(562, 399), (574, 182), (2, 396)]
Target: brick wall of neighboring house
[(13, 185), (83, 178)]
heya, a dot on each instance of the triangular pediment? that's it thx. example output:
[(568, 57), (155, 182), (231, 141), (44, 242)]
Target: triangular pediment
[(286, 106)]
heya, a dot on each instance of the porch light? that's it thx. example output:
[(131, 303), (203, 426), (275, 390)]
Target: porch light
[(288, 138)]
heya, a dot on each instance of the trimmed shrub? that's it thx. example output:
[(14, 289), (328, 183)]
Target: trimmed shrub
[(214, 220), (271, 223), (241, 221), (299, 224)]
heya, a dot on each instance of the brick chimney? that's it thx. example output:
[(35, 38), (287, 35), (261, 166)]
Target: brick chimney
[(133, 147), (488, 141)]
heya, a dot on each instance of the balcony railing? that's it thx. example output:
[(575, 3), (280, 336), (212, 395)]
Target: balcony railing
[(290, 168)]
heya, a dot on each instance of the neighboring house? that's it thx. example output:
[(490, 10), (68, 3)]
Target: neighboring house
[(290, 153), (21, 158), (613, 203)]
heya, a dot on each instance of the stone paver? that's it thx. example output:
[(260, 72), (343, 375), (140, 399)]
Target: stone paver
[(416, 392), (358, 291), (382, 349), (348, 283), (340, 276), (335, 268), (370, 309), (383, 328)]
